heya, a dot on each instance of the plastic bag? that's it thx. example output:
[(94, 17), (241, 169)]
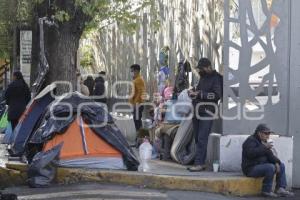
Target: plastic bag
[(184, 96), (145, 152), (3, 122), (171, 115), (185, 103), (8, 137), (42, 170)]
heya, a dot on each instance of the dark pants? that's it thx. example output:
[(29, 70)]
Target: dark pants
[(137, 116), (166, 147), (268, 171), (201, 130), (14, 123)]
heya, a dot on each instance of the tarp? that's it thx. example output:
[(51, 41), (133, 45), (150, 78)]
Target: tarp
[(93, 114), (94, 163), (29, 119), (8, 137), (42, 170)]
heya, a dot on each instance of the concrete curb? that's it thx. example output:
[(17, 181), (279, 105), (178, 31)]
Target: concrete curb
[(10, 177), (237, 186)]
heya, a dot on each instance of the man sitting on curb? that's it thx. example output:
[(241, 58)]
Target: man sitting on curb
[(259, 161)]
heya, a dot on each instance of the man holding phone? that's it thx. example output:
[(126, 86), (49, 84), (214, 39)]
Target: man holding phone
[(205, 101)]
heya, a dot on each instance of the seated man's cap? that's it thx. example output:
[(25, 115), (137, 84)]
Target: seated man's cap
[(263, 128)]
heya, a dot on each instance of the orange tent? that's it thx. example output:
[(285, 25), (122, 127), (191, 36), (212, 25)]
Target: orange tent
[(89, 137), (80, 141)]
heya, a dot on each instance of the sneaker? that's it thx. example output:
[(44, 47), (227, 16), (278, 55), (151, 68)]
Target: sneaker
[(197, 168), (284, 193), (269, 194)]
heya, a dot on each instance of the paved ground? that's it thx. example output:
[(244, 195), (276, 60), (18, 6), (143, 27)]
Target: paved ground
[(3, 152), (174, 169), (92, 191)]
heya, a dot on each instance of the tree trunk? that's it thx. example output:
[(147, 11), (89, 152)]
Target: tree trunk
[(61, 43), (61, 49)]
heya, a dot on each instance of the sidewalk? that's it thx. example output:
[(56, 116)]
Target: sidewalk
[(162, 175)]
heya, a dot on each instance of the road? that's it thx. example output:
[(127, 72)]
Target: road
[(94, 191)]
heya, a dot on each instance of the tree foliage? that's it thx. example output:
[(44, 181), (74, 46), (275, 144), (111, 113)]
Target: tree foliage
[(87, 59), (13, 13), (7, 10), (94, 14)]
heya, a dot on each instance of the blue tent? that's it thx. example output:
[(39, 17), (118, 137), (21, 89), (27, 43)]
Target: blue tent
[(30, 119)]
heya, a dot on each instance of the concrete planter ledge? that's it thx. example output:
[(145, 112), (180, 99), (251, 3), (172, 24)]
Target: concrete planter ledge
[(222, 183)]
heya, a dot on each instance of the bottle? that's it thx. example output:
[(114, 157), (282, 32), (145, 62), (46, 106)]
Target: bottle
[(145, 152)]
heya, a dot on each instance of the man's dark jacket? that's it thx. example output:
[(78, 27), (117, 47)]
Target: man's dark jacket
[(17, 97), (256, 153), (90, 83), (100, 90), (210, 88)]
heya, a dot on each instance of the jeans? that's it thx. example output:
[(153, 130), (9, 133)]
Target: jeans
[(202, 130), (137, 116), (268, 171)]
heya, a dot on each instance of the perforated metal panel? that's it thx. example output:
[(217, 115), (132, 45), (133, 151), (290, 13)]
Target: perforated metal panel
[(256, 71)]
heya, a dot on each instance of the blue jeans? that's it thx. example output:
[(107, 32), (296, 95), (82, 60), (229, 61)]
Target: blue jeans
[(268, 171), (201, 130)]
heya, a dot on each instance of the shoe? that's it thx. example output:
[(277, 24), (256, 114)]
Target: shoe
[(197, 168), (284, 193), (269, 194)]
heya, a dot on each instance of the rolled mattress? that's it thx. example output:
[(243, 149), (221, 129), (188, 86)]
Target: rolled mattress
[(183, 149)]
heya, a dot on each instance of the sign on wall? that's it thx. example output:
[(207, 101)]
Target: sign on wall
[(25, 54)]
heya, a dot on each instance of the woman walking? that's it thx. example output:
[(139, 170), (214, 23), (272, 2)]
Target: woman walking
[(17, 97)]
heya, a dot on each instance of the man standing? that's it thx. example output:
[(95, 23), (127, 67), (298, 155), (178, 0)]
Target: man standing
[(205, 99), (90, 83), (17, 96), (138, 95), (100, 90), (258, 160)]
